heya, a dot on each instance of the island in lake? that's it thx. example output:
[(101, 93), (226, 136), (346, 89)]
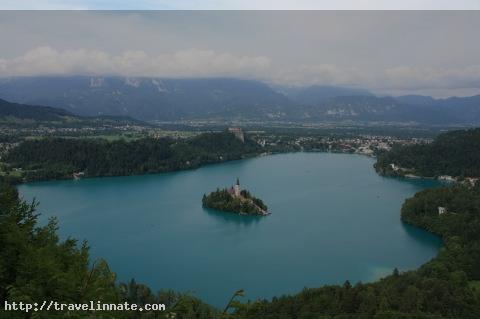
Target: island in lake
[(235, 200)]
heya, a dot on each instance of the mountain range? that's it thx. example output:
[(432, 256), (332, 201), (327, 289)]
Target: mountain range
[(16, 113), (157, 99), (32, 112)]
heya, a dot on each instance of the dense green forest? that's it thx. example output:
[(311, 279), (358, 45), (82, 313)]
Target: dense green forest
[(223, 201), (56, 158), (35, 265), (446, 287), (455, 153)]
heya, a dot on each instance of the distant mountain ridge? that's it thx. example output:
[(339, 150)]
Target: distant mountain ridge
[(11, 113), (157, 99), (316, 94), (416, 100), (148, 98), (32, 112)]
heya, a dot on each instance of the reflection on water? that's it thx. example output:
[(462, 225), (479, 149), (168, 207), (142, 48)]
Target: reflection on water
[(419, 235), (233, 218)]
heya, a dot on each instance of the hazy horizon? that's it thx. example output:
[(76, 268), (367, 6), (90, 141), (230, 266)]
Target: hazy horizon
[(388, 52)]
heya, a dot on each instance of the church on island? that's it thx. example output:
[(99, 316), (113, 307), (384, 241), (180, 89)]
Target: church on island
[(235, 189), (235, 200)]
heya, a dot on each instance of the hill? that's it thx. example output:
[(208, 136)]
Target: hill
[(30, 112), (20, 116), (455, 153), (452, 109), (59, 158), (461, 109)]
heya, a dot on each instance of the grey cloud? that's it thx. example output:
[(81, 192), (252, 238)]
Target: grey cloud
[(244, 4), (382, 51), (185, 63)]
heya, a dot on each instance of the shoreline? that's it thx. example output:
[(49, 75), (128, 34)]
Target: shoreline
[(246, 157), (270, 154)]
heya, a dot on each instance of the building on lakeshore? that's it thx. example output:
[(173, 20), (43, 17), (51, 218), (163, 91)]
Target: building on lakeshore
[(78, 175), (442, 210)]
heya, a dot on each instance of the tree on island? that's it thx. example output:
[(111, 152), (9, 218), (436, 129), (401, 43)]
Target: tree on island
[(235, 200)]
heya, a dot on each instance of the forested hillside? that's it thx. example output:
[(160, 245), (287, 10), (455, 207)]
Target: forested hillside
[(30, 112), (455, 153), (35, 265), (56, 158), (16, 116)]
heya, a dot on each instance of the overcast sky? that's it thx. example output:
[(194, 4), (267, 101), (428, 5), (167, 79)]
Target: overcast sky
[(394, 52), (244, 4)]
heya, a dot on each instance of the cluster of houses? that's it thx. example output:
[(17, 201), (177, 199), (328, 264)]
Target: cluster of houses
[(470, 181)]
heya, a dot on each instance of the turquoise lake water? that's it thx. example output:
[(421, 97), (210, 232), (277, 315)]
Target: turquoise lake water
[(333, 218)]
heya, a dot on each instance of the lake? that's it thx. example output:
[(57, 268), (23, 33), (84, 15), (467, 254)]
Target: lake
[(333, 218)]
